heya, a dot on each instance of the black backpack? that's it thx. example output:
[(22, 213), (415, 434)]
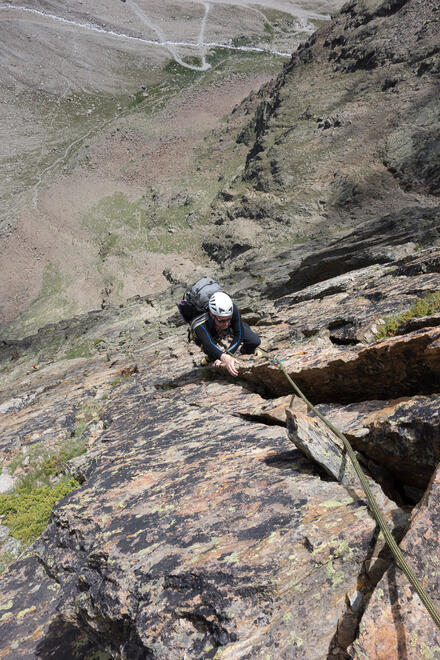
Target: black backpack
[(196, 299)]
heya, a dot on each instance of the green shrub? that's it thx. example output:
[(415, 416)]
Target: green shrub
[(184, 74), (87, 412), (193, 61), (138, 97), (80, 428), (426, 306), (44, 464), (269, 30), (56, 464), (120, 379), (27, 511), (243, 40)]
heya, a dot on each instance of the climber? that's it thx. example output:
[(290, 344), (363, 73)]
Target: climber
[(223, 319)]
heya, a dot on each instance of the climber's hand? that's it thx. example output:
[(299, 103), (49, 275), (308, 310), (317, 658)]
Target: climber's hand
[(230, 363)]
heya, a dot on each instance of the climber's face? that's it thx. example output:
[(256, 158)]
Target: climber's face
[(221, 321)]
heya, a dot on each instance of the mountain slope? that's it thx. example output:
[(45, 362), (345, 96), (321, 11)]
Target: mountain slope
[(349, 133), (110, 162), (199, 525)]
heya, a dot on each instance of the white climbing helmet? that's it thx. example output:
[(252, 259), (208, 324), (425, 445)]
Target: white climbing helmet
[(220, 304)]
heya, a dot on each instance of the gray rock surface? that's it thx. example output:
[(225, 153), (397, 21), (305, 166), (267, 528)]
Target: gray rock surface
[(405, 629), (196, 530), (6, 481)]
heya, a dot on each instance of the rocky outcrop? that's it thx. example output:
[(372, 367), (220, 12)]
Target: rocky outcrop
[(108, 333), (225, 247), (353, 308), (235, 555), (273, 411), (405, 629), (401, 435), (44, 407), (197, 530), (349, 132), (394, 367), (382, 241)]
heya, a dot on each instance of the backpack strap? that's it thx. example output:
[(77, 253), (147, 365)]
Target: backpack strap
[(199, 320)]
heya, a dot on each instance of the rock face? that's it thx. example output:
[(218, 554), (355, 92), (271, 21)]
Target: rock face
[(163, 552), (381, 241), (394, 367), (197, 531), (405, 630), (45, 405)]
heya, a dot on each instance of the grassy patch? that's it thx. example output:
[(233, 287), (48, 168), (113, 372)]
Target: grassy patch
[(181, 74), (269, 30), (27, 509), (281, 21), (56, 464), (80, 350), (425, 306), (5, 559), (121, 379), (50, 302), (193, 61), (242, 40), (111, 214), (138, 97), (44, 463), (87, 412), (318, 23), (121, 227), (98, 655), (108, 246), (222, 56)]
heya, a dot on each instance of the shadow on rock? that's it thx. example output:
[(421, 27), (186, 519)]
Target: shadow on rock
[(65, 640)]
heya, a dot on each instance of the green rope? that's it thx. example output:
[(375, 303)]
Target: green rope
[(397, 553)]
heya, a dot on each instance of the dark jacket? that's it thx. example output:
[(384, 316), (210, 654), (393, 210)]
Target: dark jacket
[(206, 335)]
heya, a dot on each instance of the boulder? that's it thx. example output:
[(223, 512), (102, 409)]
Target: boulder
[(325, 448), (401, 435), (273, 411), (321, 445), (398, 366)]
